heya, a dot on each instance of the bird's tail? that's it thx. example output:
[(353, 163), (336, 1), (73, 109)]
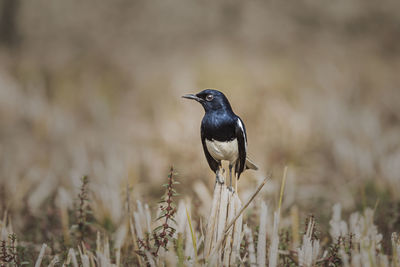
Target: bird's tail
[(250, 165)]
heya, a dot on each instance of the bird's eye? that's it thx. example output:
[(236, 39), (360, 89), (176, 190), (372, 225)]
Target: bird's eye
[(209, 97)]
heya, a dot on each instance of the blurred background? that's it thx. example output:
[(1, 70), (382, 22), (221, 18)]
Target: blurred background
[(90, 87)]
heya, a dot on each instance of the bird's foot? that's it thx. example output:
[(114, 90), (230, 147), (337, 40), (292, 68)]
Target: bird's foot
[(219, 178), (230, 188)]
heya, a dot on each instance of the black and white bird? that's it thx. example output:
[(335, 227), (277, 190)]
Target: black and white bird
[(223, 134)]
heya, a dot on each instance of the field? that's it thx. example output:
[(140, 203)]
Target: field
[(92, 121)]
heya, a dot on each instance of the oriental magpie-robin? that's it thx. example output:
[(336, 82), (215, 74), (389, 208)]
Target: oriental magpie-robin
[(223, 134)]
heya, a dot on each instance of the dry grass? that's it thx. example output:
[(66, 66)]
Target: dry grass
[(170, 237)]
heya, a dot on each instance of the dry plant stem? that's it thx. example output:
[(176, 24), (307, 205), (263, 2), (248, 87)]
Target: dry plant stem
[(222, 212), (228, 247), (131, 227), (56, 260), (247, 204), (220, 241), (82, 212), (134, 237), (170, 211), (212, 219), (41, 255), (252, 251), (273, 250), (294, 214), (72, 258), (226, 205), (237, 229), (262, 235), (282, 187)]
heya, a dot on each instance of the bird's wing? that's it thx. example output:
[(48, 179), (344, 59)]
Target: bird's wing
[(241, 137), (214, 165)]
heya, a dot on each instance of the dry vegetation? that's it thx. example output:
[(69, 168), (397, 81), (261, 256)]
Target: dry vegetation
[(91, 120)]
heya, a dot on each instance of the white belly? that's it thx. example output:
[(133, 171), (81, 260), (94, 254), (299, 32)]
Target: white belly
[(223, 150)]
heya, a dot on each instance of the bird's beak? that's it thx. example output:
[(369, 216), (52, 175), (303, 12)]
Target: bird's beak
[(191, 96)]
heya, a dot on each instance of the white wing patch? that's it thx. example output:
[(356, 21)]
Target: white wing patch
[(239, 122)]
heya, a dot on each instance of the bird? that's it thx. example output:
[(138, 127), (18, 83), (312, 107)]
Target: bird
[(223, 135)]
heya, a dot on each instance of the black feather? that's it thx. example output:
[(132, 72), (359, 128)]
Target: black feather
[(214, 165), (242, 143)]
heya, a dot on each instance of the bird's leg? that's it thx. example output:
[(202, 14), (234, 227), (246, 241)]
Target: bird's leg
[(219, 177), (230, 178), (236, 183)]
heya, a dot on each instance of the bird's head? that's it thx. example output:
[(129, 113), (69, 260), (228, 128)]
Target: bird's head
[(210, 100)]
